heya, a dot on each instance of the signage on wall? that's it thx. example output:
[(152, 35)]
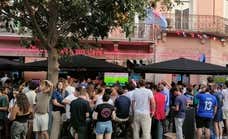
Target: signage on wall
[(90, 52)]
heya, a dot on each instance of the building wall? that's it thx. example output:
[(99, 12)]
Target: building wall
[(173, 48), (219, 53), (178, 46), (11, 46), (200, 7), (191, 48), (41, 75), (219, 8), (205, 7)]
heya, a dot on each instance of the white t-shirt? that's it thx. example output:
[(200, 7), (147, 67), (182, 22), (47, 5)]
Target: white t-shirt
[(142, 97), (25, 90), (70, 98), (11, 104), (3, 80), (225, 94), (100, 101), (31, 95), (70, 89), (129, 94)]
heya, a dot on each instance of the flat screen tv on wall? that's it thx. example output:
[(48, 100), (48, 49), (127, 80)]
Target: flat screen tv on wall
[(111, 78)]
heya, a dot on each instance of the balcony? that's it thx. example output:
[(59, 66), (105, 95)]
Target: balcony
[(141, 32), (10, 29), (208, 24)]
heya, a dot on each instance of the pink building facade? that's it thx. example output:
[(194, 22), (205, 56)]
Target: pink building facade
[(195, 27)]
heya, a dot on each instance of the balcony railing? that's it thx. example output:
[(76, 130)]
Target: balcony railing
[(141, 32), (10, 28), (214, 25)]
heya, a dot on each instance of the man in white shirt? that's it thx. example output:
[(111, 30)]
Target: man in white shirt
[(142, 104), (131, 88), (129, 94), (3, 79), (31, 94), (225, 106), (67, 102), (70, 89)]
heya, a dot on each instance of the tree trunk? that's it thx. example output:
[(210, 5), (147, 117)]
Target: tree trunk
[(53, 65)]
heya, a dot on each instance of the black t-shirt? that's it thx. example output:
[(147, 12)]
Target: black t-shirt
[(122, 104), (104, 111), (172, 97), (78, 109)]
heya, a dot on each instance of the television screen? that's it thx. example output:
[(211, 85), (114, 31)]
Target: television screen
[(111, 78), (135, 76)]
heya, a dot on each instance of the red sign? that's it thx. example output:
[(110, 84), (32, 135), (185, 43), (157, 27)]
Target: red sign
[(90, 52)]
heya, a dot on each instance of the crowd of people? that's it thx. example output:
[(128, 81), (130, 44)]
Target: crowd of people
[(83, 109)]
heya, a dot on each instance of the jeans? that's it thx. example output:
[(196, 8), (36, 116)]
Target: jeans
[(157, 129), (212, 130), (179, 124), (19, 130), (142, 121)]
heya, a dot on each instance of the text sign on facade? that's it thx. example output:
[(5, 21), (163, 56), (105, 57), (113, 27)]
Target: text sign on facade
[(91, 52)]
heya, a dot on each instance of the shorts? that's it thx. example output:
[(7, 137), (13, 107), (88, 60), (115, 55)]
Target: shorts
[(18, 130), (225, 114), (203, 122), (218, 116), (103, 127), (40, 122)]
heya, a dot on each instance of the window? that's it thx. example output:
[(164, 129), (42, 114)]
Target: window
[(182, 12), (225, 9), (185, 4)]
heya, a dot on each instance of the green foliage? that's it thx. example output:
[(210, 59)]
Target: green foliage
[(62, 23), (71, 20)]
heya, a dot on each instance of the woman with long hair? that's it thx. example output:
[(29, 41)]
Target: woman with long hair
[(103, 114), (20, 114), (91, 94)]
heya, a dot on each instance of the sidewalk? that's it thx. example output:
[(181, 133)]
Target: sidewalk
[(171, 135)]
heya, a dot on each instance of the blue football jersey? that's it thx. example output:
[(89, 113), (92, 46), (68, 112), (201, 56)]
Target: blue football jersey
[(206, 105)]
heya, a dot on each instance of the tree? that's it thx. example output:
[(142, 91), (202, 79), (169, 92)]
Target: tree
[(58, 24)]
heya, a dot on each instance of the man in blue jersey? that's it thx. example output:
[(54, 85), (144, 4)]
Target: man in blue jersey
[(206, 110)]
